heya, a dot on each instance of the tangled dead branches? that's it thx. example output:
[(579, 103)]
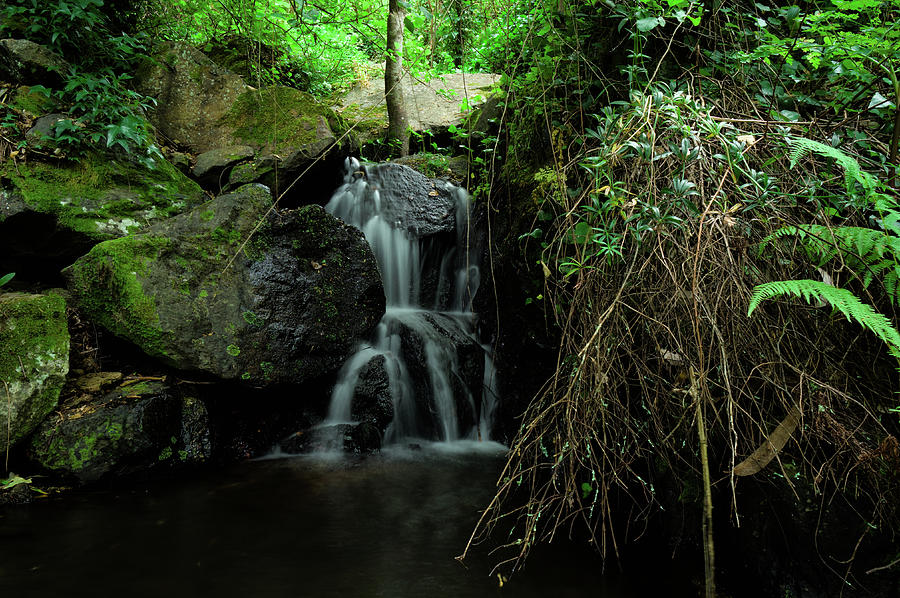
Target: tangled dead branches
[(652, 266)]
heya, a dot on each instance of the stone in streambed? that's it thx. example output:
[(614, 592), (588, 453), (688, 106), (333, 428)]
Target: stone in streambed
[(135, 427)]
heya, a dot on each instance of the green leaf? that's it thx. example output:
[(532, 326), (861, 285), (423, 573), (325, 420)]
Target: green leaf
[(6, 278), (840, 299), (649, 23), (13, 481), (586, 489)]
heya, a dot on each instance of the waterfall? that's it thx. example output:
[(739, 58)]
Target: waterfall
[(440, 378)]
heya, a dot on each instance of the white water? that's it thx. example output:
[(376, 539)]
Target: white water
[(437, 329)]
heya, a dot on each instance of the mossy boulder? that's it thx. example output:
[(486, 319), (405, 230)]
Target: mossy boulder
[(34, 361), (294, 136), (135, 427), (282, 120), (192, 93), (64, 208), (212, 166), (237, 289), (27, 63)]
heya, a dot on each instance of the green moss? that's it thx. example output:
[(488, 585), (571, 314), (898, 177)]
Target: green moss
[(65, 455), (253, 319), (371, 123), (102, 198), (220, 235), (279, 118), (233, 350), (34, 359), (32, 102), (139, 389), (164, 454), (107, 284), (207, 215)]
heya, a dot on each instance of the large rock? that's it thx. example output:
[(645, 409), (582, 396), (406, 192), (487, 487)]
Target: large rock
[(421, 205), (58, 211), (372, 400), (133, 428), (237, 289), (444, 369), (211, 166), (432, 106), (27, 63), (204, 106), (193, 95), (294, 136), (34, 361)]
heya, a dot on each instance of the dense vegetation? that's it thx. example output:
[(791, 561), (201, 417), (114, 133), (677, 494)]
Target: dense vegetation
[(680, 164)]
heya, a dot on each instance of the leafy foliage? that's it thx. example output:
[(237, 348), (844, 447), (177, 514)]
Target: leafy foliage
[(102, 108), (841, 299)]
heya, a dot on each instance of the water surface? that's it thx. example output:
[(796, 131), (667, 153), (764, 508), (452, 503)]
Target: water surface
[(388, 525)]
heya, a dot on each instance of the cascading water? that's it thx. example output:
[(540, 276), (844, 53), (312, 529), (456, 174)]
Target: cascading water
[(440, 379)]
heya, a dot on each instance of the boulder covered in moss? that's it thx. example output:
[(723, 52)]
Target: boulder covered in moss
[(27, 63), (237, 289), (203, 106), (133, 428), (192, 95), (57, 211), (294, 136), (34, 361)]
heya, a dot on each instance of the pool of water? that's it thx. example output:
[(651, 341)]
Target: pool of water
[(337, 526)]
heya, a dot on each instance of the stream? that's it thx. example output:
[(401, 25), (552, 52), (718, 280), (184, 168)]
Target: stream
[(341, 526)]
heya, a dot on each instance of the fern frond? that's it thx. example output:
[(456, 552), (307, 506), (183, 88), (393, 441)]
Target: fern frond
[(869, 252), (801, 147), (840, 299)]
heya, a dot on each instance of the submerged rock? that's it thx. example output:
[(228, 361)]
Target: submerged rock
[(237, 289), (133, 428), (34, 361)]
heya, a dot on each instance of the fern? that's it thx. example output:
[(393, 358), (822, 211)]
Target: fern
[(801, 147), (840, 299), (870, 253)]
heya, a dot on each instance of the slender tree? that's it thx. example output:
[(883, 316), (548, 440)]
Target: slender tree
[(393, 75)]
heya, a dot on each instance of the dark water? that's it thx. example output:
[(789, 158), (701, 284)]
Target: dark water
[(382, 526)]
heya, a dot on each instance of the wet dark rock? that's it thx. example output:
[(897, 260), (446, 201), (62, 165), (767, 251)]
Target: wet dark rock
[(28, 63), (421, 205), (19, 494), (237, 289), (135, 427), (439, 333), (372, 401), (362, 437)]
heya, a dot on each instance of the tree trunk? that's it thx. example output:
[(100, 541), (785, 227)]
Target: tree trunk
[(393, 74)]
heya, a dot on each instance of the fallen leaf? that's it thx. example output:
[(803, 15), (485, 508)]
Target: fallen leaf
[(770, 446)]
